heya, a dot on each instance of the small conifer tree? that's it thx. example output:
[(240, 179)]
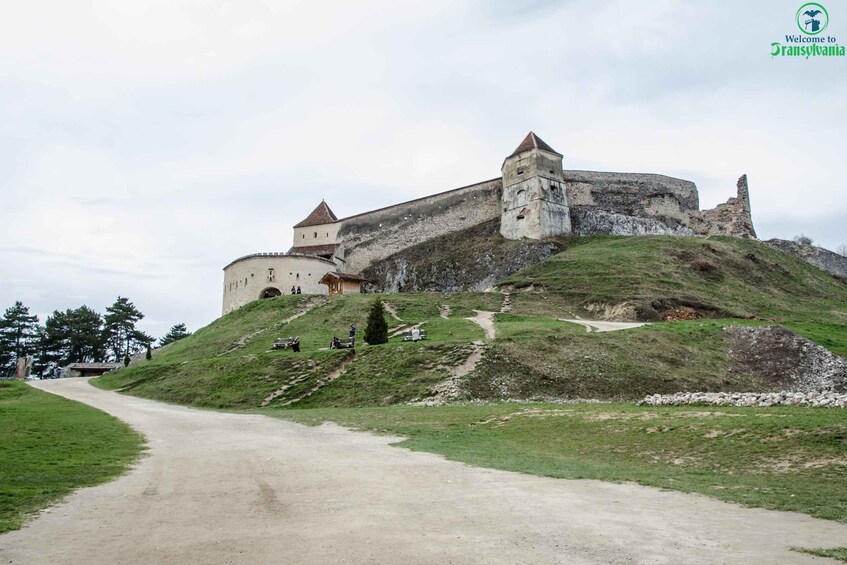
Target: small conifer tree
[(149, 354), (376, 329), (126, 360)]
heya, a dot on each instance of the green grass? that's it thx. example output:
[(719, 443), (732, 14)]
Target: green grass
[(229, 364), (839, 553), (52, 446), (792, 459), (729, 277), (541, 358)]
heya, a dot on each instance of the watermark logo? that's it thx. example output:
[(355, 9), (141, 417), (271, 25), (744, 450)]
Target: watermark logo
[(812, 19)]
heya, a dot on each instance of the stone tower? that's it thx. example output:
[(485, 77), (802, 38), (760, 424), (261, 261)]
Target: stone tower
[(534, 201)]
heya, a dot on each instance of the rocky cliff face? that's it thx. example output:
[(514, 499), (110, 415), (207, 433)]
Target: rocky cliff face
[(469, 260), (823, 259), (587, 221)]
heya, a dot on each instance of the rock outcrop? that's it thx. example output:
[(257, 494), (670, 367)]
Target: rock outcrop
[(471, 260), (823, 259), (588, 221)]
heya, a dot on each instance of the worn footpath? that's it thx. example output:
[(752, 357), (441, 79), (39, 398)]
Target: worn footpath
[(235, 488)]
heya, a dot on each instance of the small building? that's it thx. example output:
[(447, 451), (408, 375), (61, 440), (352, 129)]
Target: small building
[(343, 283), (89, 369)]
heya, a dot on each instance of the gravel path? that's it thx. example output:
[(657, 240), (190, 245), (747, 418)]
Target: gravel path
[(604, 326), (234, 488)]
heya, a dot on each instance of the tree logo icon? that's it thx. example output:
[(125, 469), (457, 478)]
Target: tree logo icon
[(812, 18)]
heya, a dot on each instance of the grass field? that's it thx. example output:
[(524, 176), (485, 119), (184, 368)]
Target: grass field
[(791, 459), (52, 446)]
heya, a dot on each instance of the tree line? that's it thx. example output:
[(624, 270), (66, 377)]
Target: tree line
[(79, 335)]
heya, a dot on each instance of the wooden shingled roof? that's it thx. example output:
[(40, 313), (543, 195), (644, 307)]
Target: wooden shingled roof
[(320, 215), (532, 141)]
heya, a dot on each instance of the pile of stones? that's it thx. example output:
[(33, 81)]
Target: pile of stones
[(819, 399)]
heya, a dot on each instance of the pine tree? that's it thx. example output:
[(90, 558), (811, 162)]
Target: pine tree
[(376, 329), (149, 354), (18, 336), (127, 360), (176, 333), (73, 336), (119, 332)]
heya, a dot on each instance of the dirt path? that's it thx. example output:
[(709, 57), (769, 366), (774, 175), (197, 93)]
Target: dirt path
[(604, 326), (233, 488), (485, 320), (392, 309)]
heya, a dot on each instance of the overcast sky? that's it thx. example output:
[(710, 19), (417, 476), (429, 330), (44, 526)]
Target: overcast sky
[(146, 144)]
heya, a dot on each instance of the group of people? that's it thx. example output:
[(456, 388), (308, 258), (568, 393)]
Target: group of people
[(336, 343), (295, 290)]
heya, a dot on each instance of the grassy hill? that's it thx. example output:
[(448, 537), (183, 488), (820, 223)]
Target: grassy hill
[(535, 355)]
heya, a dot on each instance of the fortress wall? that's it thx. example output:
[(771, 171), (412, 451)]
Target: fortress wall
[(375, 235), (642, 195), (246, 278)]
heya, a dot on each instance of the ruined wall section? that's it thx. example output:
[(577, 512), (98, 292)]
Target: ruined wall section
[(665, 200), (730, 218), (372, 236)]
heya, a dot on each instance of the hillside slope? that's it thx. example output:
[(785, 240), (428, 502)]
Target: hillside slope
[(721, 281)]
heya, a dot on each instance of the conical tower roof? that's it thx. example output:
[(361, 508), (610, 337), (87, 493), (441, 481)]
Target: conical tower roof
[(532, 141), (320, 215)]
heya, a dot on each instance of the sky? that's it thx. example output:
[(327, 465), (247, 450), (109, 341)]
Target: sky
[(144, 145)]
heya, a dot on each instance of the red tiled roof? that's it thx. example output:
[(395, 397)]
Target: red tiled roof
[(343, 276), (319, 250), (320, 215), (532, 141)]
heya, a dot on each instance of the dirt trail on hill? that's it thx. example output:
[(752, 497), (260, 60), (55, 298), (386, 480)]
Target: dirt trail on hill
[(604, 326), (485, 320), (236, 488)]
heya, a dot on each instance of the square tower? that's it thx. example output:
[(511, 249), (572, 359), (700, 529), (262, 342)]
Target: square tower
[(534, 200)]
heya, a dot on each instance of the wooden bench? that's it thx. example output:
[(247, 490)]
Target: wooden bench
[(407, 336), (346, 343), (283, 342)]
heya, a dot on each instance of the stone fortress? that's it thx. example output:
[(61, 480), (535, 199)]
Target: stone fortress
[(534, 198)]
